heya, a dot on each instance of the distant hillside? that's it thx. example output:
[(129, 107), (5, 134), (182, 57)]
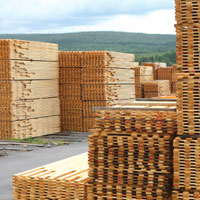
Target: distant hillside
[(147, 47)]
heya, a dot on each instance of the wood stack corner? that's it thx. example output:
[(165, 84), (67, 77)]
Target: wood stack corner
[(130, 153), (93, 78), (29, 101), (65, 179), (187, 144), (157, 88)]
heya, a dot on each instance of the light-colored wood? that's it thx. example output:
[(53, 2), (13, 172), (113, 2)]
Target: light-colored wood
[(65, 179), (35, 127), (95, 78), (29, 109), (27, 70), (29, 98), (35, 89), (156, 88), (28, 50)]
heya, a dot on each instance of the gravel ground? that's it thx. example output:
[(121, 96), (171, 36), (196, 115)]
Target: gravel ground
[(28, 157)]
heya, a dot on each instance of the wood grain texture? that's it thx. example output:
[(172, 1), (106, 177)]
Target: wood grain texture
[(65, 179)]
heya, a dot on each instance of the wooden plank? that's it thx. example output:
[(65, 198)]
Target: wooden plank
[(28, 50), (29, 104), (130, 154), (65, 179), (95, 78)]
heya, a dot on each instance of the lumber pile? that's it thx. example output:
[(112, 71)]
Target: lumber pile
[(150, 72), (65, 179), (154, 67), (130, 152), (156, 88), (142, 74), (165, 73), (186, 145), (93, 78), (29, 103), (174, 79)]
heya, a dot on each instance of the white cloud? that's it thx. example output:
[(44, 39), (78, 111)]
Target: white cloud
[(79, 15), (156, 22)]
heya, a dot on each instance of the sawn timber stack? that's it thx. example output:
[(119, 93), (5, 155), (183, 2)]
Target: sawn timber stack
[(130, 152), (186, 145), (29, 103), (93, 78), (65, 179)]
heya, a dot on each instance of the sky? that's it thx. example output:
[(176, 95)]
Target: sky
[(63, 16)]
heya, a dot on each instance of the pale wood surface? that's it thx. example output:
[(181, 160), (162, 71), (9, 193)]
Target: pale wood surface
[(65, 179), (28, 50)]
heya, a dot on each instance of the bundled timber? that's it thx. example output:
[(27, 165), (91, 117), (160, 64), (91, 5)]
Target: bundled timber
[(186, 146), (186, 154), (28, 89), (28, 50), (94, 78), (142, 74), (188, 99), (130, 151), (65, 179), (187, 11), (154, 67), (185, 195), (164, 73), (174, 79), (156, 88)]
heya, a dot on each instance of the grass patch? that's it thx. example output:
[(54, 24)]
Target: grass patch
[(31, 140)]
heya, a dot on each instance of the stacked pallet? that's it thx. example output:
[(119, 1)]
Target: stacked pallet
[(186, 146), (65, 179), (142, 74), (130, 152), (29, 103), (174, 79), (93, 78), (156, 88)]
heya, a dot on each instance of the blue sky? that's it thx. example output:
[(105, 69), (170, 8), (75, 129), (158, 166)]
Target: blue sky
[(59, 16)]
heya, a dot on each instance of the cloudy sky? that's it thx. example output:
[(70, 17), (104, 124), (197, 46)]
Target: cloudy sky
[(60, 16)]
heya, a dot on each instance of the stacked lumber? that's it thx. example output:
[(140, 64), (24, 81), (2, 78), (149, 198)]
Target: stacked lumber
[(70, 91), (165, 73), (65, 179), (130, 152), (156, 88), (154, 67), (29, 103), (174, 79), (93, 78), (142, 74), (186, 146)]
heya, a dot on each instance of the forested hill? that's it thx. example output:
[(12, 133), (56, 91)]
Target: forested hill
[(147, 47)]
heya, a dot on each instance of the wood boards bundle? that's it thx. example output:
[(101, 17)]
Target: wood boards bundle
[(65, 179), (93, 78), (186, 145), (130, 153), (29, 103)]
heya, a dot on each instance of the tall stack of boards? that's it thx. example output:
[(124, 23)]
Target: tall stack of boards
[(187, 144), (130, 152), (93, 79), (29, 100)]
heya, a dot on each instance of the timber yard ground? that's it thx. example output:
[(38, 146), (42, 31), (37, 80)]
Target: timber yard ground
[(22, 160)]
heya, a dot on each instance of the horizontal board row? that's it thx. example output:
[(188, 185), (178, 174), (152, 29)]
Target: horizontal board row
[(28, 50)]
